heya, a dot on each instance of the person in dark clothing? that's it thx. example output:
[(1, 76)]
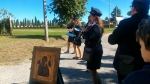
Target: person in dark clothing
[(77, 39), (93, 37), (70, 39), (88, 25), (125, 36), (143, 37)]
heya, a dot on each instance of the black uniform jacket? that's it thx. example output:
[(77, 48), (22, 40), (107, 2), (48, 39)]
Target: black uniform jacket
[(125, 37), (70, 26), (92, 36), (77, 32)]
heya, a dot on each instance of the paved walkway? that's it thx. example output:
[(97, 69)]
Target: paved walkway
[(73, 71)]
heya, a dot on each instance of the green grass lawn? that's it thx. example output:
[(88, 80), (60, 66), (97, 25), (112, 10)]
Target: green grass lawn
[(108, 30), (52, 32), (19, 47), (39, 33)]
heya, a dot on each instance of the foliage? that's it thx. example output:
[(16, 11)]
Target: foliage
[(25, 22), (17, 23), (49, 23), (35, 19), (107, 26), (115, 13), (5, 27), (32, 23), (106, 18), (4, 22), (83, 23), (129, 13), (64, 9), (5, 14)]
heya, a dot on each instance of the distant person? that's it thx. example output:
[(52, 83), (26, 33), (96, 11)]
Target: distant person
[(93, 36), (77, 39), (70, 39), (143, 37), (88, 25), (125, 37), (43, 69)]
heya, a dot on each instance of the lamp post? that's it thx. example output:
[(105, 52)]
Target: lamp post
[(45, 21)]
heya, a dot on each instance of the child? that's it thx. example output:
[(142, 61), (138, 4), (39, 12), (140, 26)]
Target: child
[(143, 37)]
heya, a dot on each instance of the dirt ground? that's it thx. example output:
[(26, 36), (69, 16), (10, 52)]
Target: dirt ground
[(17, 50)]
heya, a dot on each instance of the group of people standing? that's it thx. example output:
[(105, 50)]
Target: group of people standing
[(74, 28), (129, 57), (132, 38), (92, 33)]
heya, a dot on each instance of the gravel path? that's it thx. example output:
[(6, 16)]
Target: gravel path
[(73, 71)]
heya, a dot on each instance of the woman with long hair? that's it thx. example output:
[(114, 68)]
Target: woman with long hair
[(93, 37), (70, 39), (77, 39)]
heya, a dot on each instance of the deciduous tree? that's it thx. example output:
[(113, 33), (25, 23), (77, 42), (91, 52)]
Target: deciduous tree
[(115, 13), (129, 13), (64, 9)]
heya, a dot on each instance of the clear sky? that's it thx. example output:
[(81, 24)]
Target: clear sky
[(31, 8)]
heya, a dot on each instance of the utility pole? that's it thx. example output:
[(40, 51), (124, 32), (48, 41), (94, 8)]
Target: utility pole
[(45, 21), (116, 15), (10, 26), (109, 12)]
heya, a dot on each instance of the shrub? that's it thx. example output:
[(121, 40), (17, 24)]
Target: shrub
[(107, 26)]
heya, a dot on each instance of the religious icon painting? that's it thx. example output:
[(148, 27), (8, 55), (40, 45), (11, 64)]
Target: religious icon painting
[(45, 64)]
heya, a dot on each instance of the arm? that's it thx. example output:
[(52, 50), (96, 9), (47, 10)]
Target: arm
[(70, 26), (92, 34), (117, 34)]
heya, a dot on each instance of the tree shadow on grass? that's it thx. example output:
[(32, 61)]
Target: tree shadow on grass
[(38, 37)]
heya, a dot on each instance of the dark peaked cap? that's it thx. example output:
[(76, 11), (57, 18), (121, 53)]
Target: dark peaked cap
[(95, 11)]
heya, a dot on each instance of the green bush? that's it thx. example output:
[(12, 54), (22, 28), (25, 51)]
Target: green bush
[(107, 26), (5, 27)]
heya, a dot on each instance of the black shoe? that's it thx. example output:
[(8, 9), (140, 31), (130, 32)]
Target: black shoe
[(75, 58), (79, 58)]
